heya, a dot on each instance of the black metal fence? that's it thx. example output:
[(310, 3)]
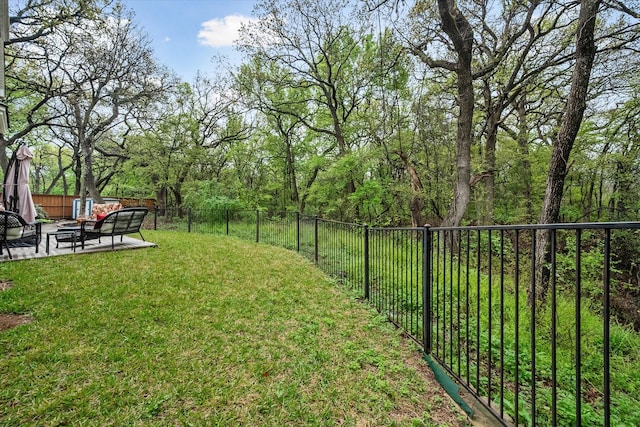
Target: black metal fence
[(470, 296)]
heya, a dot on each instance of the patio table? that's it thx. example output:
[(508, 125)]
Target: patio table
[(64, 235)]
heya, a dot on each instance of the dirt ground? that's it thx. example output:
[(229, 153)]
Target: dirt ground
[(10, 320)]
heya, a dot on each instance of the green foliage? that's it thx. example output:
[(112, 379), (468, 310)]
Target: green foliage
[(326, 116), (204, 197), (41, 213), (520, 194), (369, 197), (483, 303), (592, 260), (328, 193), (217, 206)]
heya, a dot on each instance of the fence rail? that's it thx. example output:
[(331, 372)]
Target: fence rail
[(470, 297)]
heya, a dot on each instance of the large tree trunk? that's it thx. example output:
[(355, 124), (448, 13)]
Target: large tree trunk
[(161, 200), (563, 144), (305, 194), (85, 161), (458, 29), (89, 178), (292, 182), (77, 170)]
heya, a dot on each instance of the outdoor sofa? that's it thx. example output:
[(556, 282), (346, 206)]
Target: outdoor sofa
[(115, 223)]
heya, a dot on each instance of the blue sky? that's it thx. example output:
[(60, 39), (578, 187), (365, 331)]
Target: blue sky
[(186, 34)]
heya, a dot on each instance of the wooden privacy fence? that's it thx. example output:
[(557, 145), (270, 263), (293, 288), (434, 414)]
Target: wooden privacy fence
[(61, 206)]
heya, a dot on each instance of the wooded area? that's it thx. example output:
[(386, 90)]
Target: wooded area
[(378, 112), (385, 112)]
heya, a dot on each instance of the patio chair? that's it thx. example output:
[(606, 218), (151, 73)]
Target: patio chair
[(15, 231), (116, 223)]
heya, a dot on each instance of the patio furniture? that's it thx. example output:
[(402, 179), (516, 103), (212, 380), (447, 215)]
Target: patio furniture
[(64, 235), (15, 231), (116, 223)]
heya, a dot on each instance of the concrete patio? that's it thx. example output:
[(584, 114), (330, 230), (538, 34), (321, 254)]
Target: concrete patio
[(66, 248)]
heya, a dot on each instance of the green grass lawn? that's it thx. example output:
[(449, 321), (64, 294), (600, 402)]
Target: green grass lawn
[(203, 330)]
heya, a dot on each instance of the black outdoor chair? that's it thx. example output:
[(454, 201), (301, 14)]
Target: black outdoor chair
[(16, 232)]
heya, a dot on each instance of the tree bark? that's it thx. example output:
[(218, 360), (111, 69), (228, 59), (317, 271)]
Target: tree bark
[(563, 143), (89, 178), (290, 171), (458, 29), (87, 184)]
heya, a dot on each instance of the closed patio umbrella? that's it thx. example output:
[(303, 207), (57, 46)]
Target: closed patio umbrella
[(16, 193)]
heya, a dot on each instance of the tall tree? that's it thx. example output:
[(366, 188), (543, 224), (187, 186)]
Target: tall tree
[(108, 71), (460, 33), (570, 124), (283, 131), (32, 59), (317, 44), (188, 140)]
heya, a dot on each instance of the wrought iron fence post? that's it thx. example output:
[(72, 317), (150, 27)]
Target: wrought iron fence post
[(426, 288), (155, 217), (315, 238), (606, 324), (298, 231), (257, 225), (366, 262), (189, 220)]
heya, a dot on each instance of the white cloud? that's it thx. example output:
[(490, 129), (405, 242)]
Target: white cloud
[(221, 32), (166, 39)]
